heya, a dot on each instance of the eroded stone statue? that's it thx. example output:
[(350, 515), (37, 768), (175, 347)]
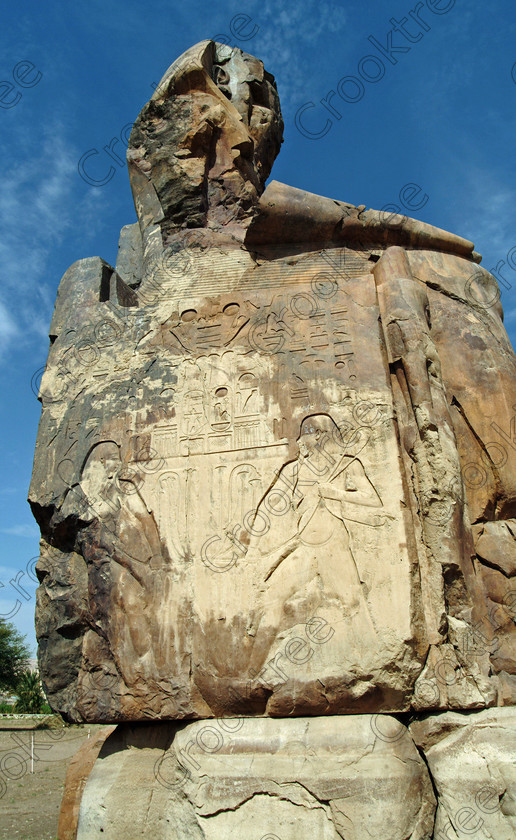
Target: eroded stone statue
[(274, 474)]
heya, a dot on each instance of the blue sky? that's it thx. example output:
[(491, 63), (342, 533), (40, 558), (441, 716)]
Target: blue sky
[(441, 115)]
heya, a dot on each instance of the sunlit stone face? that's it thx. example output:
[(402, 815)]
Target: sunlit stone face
[(206, 142), (252, 91)]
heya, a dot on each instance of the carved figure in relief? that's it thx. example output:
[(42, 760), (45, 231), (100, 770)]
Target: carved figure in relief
[(221, 409), (300, 527), (113, 497), (246, 308), (122, 529)]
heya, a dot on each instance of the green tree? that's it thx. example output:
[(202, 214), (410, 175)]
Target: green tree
[(14, 655), (31, 699)]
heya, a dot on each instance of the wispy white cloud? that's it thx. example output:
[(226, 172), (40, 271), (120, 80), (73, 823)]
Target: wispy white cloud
[(309, 22), (37, 210), (25, 530), (8, 328), (490, 223)]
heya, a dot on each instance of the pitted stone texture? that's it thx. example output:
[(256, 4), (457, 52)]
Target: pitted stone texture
[(471, 760), (223, 472), (202, 148), (297, 779), (271, 442)]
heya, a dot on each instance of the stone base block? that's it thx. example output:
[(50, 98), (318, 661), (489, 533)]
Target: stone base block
[(472, 761), (353, 777), (255, 778)]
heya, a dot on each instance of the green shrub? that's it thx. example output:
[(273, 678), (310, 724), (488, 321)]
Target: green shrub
[(31, 699)]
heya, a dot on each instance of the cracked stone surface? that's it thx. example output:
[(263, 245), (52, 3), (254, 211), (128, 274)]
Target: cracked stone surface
[(444, 777), (471, 759), (275, 468), (275, 477), (325, 778)]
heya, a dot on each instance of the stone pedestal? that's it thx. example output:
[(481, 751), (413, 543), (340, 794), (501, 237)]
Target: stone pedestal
[(447, 777)]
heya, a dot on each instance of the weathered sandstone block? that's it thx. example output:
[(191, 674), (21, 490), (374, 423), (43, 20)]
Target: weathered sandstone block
[(275, 467), (471, 761), (298, 779), (446, 777)]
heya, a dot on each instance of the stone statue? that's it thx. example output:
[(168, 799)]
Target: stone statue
[(276, 486)]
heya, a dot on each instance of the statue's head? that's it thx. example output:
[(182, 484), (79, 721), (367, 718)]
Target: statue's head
[(103, 459), (206, 140), (318, 431)]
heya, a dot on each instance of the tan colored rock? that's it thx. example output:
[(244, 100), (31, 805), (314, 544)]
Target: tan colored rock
[(291, 215), (497, 546), (77, 775), (274, 472), (471, 761), (323, 778)]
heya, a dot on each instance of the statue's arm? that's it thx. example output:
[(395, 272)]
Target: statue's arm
[(287, 214)]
